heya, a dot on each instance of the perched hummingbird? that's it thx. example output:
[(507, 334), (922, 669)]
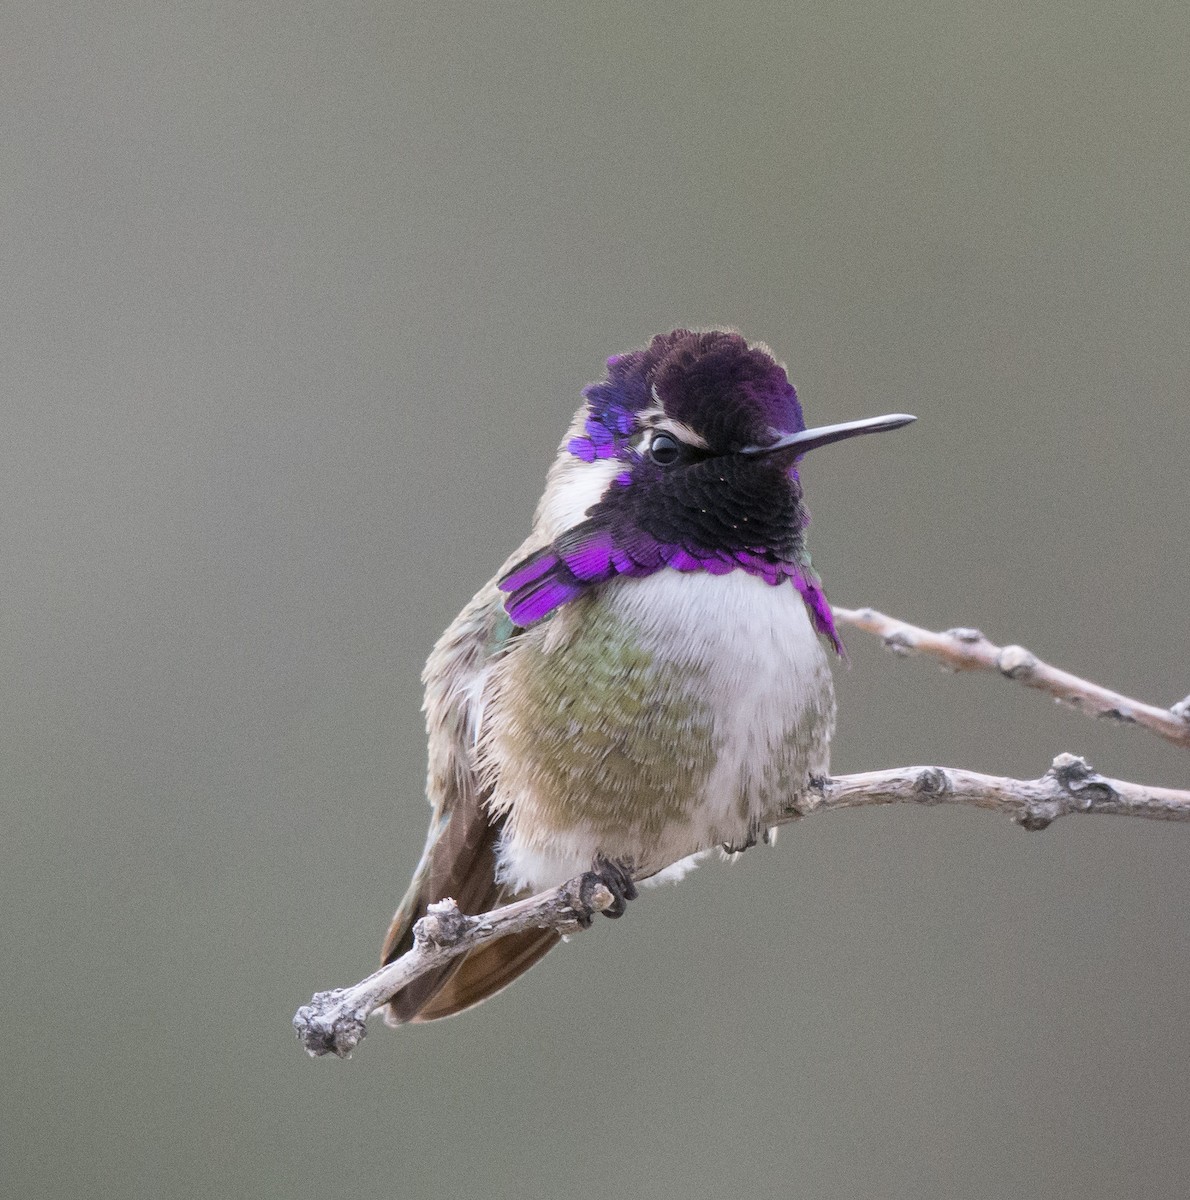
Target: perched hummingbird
[(644, 680)]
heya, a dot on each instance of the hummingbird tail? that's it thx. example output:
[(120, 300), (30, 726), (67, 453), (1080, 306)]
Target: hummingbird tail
[(460, 862), (472, 978)]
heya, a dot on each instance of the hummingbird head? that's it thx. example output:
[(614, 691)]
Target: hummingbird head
[(695, 438)]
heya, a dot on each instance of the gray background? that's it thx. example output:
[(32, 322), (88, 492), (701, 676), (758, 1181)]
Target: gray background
[(297, 301)]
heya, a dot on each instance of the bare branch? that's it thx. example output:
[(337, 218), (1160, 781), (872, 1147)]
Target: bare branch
[(969, 650), (1070, 786), (334, 1022)]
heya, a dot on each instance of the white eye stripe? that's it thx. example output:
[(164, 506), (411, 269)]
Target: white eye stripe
[(654, 421)]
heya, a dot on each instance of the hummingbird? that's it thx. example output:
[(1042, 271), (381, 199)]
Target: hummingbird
[(646, 678)]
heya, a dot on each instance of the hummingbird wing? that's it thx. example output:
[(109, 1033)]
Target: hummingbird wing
[(459, 859)]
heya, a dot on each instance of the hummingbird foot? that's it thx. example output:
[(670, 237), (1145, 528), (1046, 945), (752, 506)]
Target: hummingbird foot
[(757, 832), (616, 877), (740, 847)]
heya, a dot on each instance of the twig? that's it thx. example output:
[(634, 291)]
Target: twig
[(334, 1022), (1070, 786), (969, 650)]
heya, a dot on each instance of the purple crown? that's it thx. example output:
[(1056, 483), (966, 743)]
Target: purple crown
[(731, 393)]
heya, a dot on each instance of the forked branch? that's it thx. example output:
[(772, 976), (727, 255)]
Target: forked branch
[(334, 1022)]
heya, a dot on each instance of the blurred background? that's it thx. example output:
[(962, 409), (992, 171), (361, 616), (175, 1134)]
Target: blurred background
[(297, 303)]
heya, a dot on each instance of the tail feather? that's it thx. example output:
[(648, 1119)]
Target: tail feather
[(474, 977), (460, 863)]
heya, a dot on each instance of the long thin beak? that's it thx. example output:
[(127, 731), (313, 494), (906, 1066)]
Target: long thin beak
[(811, 439)]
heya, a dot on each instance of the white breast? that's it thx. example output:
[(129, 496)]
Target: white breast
[(766, 670)]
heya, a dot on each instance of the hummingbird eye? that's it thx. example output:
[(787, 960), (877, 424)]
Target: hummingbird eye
[(664, 449)]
